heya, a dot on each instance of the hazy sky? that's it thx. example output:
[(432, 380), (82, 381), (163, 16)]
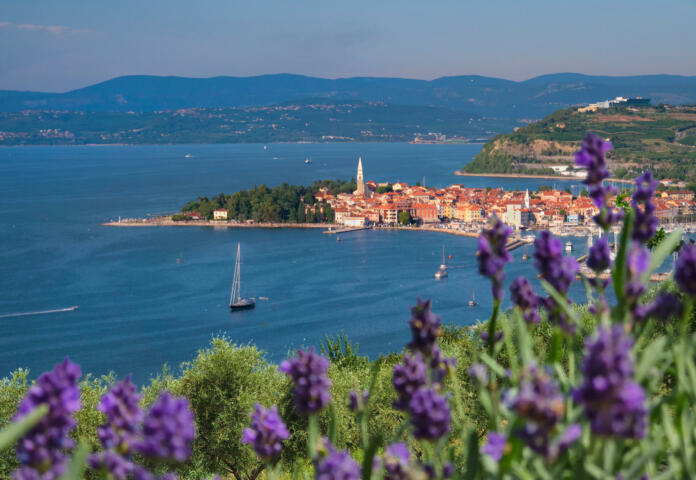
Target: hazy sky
[(59, 45)]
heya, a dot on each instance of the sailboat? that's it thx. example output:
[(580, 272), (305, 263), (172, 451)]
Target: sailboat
[(237, 302), (472, 302), (525, 255), (442, 271)]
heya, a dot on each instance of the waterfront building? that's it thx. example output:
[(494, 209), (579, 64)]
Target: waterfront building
[(220, 214)]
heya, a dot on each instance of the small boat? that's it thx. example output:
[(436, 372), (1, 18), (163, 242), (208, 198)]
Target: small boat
[(525, 255), (265, 147), (237, 302), (338, 239), (442, 271), (308, 160), (569, 247), (472, 302), (188, 155), (263, 298)]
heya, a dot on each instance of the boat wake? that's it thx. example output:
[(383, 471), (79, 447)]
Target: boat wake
[(41, 312)]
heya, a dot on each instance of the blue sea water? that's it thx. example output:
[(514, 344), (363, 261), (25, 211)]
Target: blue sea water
[(150, 296)]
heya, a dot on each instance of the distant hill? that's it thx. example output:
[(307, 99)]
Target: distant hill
[(474, 95), (661, 139), (319, 120)]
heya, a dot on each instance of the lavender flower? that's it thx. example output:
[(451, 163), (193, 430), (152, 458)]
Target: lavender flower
[(425, 327), (357, 401), (395, 461), (664, 307), (123, 416), (645, 223), (430, 414), (592, 158), (479, 373), (495, 446), (337, 465), (493, 256), (556, 269), (407, 378), (613, 402), (522, 294), (308, 371), (118, 466), (168, 429), (685, 270), (440, 366), (599, 257), (41, 451), (637, 262), (266, 432)]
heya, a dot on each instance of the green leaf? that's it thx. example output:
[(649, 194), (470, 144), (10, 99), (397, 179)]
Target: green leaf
[(370, 451), (78, 463), (493, 365), (559, 299), (596, 472), (332, 423), (619, 277), (472, 456), (638, 464), (663, 250), (16, 430), (649, 357)]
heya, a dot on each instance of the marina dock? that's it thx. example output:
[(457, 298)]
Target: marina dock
[(345, 230)]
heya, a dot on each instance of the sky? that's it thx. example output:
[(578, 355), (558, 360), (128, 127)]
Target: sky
[(60, 45)]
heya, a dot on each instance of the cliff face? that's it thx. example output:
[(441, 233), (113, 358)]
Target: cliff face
[(662, 139)]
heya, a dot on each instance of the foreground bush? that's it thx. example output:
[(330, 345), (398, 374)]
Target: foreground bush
[(548, 390)]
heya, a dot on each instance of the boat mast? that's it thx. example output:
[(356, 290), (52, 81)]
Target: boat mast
[(236, 287)]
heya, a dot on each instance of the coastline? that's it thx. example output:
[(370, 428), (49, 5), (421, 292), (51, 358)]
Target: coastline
[(206, 223), (529, 175)]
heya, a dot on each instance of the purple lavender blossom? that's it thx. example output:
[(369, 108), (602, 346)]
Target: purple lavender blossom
[(123, 417), (408, 377), (556, 269), (569, 436), (41, 451), (522, 294), (613, 402), (168, 429), (493, 256), (479, 372), (430, 414), (591, 157), (396, 462), (440, 366), (685, 269), (308, 371), (645, 223), (337, 465), (425, 327), (266, 432), (118, 466), (495, 446), (664, 307), (599, 257), (357, 401)]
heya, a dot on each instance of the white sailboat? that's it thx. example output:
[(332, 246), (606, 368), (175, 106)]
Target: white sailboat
[(473, 302), (442, 271), (237, 302)]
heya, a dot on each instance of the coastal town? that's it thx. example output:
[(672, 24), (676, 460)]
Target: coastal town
[(454, 209)]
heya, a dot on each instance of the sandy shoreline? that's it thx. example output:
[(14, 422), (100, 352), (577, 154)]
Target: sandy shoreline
[(205, 223), (527, 175)]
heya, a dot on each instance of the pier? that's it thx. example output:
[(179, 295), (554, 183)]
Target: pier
[(345, 230)]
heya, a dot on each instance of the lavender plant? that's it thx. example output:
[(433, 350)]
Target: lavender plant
[(609, 393)]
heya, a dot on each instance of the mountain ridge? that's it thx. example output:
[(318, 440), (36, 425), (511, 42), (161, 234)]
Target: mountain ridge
[(473, 94)]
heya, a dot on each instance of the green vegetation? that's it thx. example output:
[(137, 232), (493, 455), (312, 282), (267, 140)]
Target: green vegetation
[(405, 218), (282, 204), (661, 139), (313, 121)]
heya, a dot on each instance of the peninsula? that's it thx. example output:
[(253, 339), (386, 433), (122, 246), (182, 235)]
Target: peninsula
[(361, 204)]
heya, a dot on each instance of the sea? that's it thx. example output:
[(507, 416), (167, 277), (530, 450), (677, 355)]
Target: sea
[(150, 297)]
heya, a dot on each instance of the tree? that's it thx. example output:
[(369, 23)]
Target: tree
[(384, 189), (405, 218), (301, 216)]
